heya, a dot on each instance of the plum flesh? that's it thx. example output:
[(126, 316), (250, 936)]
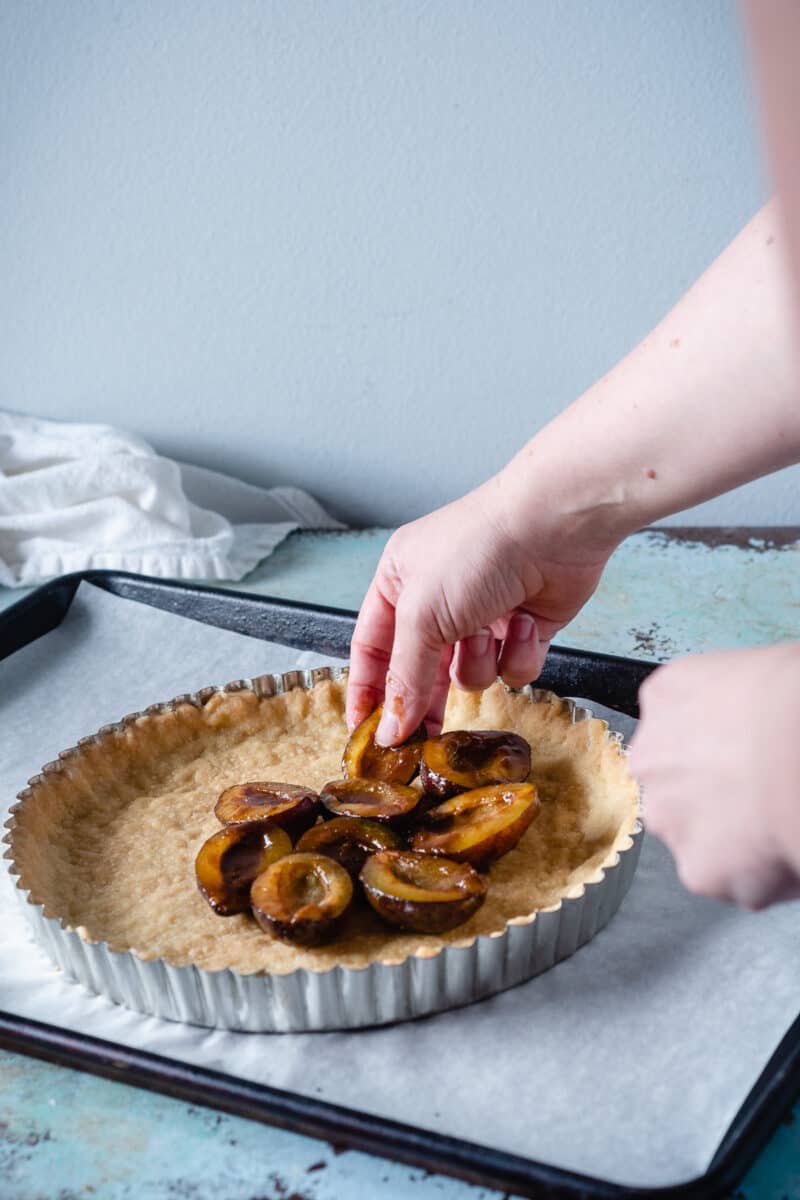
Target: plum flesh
[(302, 898), (350, 840), (419, 892), (371, 798), (365, 759), (289, 805), (230, 860), (462, 760), (479, 826)]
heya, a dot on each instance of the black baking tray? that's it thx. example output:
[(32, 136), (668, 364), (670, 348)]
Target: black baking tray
[(607, 679)]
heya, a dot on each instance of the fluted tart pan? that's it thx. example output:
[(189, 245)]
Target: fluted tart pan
[(102, 843)]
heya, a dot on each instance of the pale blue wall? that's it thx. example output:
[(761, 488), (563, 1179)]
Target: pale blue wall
[(364, 246)]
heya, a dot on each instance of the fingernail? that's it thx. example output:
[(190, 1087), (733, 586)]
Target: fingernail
[(481, 642), (524, 627), (388, 730)]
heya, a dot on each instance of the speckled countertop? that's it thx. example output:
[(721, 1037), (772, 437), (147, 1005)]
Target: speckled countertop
[(65, 1135)]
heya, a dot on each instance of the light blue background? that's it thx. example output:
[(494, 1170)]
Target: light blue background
[(367, 247)]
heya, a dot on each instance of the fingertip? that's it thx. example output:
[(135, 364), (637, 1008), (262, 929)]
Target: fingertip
[(361, 700), (350, 712), (404, 708), (434, 717), (474, 664), (388, 731), (523, 652), (412, 675), (544, 650)]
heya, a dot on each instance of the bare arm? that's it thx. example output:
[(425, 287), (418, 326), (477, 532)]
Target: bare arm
[(775, 30), (707, 401)]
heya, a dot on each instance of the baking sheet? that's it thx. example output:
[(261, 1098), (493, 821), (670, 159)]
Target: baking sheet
[(627, 1062)]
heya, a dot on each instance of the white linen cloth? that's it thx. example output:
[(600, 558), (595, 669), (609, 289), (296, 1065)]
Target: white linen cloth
[(74, 497)]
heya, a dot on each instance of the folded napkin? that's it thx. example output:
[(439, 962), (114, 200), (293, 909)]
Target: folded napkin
[(79, 496)]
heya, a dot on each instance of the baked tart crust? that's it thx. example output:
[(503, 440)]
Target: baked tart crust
[(107, 841)]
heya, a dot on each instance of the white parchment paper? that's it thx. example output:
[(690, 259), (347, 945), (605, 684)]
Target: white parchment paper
[(627, 1061)]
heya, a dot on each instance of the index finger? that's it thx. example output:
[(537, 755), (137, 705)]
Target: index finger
[(414, 670), (370, 652)]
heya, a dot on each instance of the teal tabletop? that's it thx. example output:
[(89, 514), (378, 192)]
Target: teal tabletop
[(65, 1134)]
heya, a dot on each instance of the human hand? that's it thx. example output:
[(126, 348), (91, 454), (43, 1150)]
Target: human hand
[(718, 755), (467, 592)]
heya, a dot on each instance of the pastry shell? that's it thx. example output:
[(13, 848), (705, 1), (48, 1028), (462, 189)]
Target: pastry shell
[(382, 986)]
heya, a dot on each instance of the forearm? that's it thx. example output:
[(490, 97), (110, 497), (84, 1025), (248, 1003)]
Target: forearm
[(775, 30), (708, 401)]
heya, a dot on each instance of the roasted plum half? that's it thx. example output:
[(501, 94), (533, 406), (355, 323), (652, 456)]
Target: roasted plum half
[(230, 860), (292, 807), (479, 826), (302, 898), (350, 840), (371, 798), (365, 759), (420, 892), (462, 760)]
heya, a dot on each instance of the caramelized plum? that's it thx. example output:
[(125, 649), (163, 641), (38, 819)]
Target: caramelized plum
[(421, 892), (364, 759), (462, 760), (480, 825), (350, 840), (371, 798), (302, 898), (230, 860), (292, 807)]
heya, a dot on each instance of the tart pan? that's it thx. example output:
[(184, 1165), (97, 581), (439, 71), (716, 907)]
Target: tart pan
[(342, 997)]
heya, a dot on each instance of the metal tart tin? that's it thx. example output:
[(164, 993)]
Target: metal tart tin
[(342, 997)]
